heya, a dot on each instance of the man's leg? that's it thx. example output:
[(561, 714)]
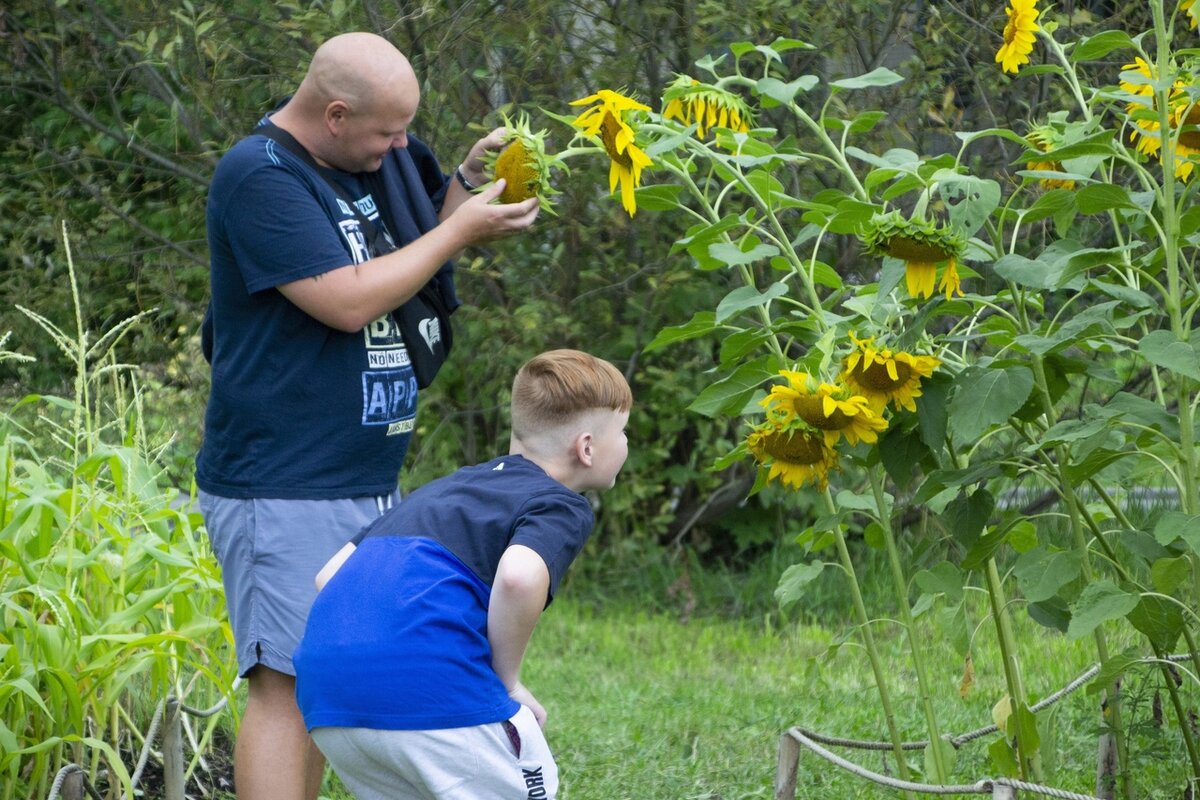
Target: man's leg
[(274, 758)]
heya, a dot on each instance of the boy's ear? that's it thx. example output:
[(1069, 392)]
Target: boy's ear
[(583, 448)]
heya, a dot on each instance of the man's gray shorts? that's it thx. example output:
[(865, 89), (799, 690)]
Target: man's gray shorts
[(270, 551)]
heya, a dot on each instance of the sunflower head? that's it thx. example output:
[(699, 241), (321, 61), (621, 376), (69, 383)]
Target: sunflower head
[(921, 245), (611, 116), (833, 411), (1183, 117), (885, 376), (795, 457), (691, 102), (524, 164), (1188, 7), (1046, 138), (1018, 35)]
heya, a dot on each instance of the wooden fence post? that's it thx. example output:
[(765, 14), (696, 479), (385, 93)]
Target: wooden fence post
[(172, 745), (785, 771)]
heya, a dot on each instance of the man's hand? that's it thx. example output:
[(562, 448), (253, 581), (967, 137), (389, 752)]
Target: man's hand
[(482, 220), (472, 166)]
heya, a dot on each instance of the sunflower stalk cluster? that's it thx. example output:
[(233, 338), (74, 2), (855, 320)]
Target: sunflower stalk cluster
[(899, 331)]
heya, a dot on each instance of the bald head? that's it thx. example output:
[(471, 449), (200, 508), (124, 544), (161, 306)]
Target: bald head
[(359, 69), (354, 104)]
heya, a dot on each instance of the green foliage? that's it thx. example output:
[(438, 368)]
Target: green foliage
[(109, 597)]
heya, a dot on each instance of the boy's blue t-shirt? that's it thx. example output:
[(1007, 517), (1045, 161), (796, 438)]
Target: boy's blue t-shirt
[(397, 639), (298, 409)]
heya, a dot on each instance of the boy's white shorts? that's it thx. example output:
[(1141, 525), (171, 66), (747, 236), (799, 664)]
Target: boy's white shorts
[(499, 761)]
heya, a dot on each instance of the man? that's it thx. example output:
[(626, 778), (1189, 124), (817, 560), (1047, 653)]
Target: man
[(313, 395)]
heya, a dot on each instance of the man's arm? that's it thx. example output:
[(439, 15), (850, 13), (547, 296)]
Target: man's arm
[(519, 595), (349, 297)]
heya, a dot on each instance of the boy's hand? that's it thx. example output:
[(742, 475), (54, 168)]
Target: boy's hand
[(526, 698)]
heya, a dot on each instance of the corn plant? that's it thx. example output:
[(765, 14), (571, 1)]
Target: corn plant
[(109, 596)]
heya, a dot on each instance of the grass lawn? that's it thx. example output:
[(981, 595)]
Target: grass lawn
[(643, 705)]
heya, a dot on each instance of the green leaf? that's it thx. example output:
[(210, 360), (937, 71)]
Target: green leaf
[(1050, 204), (794, 580), (971, 200), (948, 756), (985, 548), (747, 297), (1174, 525), (1023, 724), (944, 578), (1112, 670), (1094, 48), (931, 410), (1003, 759), (984, 397), (1099, 197), (1158, 619), (701, 324), (882, 76), (783, 93), (658, 197), (730, 395), (1168, 574), (901, 451), (1163, 349), (967, 515), (1040, 573), (732, 255), (1102, 601), (1028, 273)]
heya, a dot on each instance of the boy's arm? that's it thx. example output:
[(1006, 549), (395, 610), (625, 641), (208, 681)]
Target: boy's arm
[(519, 594), (333, 565)]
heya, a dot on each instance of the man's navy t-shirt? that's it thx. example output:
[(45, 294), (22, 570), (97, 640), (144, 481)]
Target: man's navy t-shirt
[(397, 639), (297, 409)]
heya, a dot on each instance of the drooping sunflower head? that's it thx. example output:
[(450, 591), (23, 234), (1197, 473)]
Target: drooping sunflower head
[(921, 245), (831, 410), (1018, 34), (524, 164), (793, 456), (884, 376), (1046, 138), (694, 103), (611, 117), (1183, 116)]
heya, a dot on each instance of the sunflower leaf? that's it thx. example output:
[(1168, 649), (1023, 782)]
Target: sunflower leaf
[(794, 580), (734, 256), (747, 297), (729, 395), (1102, 601), (881, 76), (984, 397), (1094, 48), (784, 93), (1163, 349), (701, 324)]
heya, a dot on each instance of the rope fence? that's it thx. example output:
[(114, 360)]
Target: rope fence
[(71, 782), (796, 737)]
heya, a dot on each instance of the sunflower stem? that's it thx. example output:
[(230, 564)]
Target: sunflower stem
[(1067, 492), (864, 624), (1028, 757), (935, 747)]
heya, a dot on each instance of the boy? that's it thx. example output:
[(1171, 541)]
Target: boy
[(408, 675)]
